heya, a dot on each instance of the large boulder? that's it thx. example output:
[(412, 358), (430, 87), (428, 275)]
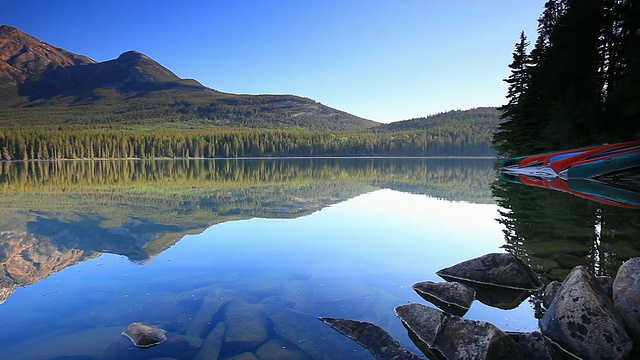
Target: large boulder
[(373, 338), (626, 297), (443, 336), (452, 297), (495, 269), (581, 320)]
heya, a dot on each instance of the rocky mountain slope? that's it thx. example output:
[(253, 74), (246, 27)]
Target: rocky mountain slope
[(24, 58)]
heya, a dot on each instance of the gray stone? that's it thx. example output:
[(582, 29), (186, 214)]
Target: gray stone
[(247, 324), (606, 283), (144, 335), (581, 320), (452, 297), (443, 336), (533, 345), (278, 349), (373, 338), (495, 269), (550, 292), (311, 335), (626, 296)]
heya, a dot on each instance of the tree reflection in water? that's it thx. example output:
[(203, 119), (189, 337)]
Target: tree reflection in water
[(554, 231)]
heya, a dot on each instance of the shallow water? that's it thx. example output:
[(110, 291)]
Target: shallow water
[(234, 257)]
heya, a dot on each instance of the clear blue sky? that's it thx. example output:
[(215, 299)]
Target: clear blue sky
[(382, 60)]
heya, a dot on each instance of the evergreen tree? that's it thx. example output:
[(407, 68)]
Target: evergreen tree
[(518, 83), (579, 85)]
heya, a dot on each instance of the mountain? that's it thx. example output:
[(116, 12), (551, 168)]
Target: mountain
[(485, 118), (24, 58), (41, 84)]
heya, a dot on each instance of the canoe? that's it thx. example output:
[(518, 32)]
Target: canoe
[(585, 162)]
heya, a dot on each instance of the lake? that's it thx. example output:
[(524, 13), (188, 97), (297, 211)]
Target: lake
[(239, 258)]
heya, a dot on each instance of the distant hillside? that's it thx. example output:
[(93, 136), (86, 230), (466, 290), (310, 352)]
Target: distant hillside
[(41, 85), (483, 119)]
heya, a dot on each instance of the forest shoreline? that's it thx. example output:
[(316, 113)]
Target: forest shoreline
[(255, 158)]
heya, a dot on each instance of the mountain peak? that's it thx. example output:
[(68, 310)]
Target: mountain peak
[(131, 55), (7, 28)]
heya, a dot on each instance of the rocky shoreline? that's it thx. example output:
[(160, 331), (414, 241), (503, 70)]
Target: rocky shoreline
[(583, 317)]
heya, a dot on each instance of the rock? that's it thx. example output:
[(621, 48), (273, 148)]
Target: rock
[(246, 324), (310, 335), (496, 269), (244, 356), (452, 297), (278, 349), (212, 344), (626, 297), (212, 302), (606, 283), (443, 336), (533, 345), (581, 320), (373, 338), (500, 297), (144, 335), (175, 347), (550, 293)]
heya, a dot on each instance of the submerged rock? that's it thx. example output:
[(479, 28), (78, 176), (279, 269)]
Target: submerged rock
[(452, 297), (626, 296), (211, 304), (212, 344), (495, 269), (443, 336), (144, 335), (313, 337), (244, 356), (373, 338), (247, 324), (175, 347), (581, 320), (278, 349)]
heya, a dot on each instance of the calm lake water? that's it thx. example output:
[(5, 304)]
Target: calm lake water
[(239, 258)]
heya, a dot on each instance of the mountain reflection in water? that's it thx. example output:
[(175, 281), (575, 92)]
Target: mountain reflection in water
[(55, 214)]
